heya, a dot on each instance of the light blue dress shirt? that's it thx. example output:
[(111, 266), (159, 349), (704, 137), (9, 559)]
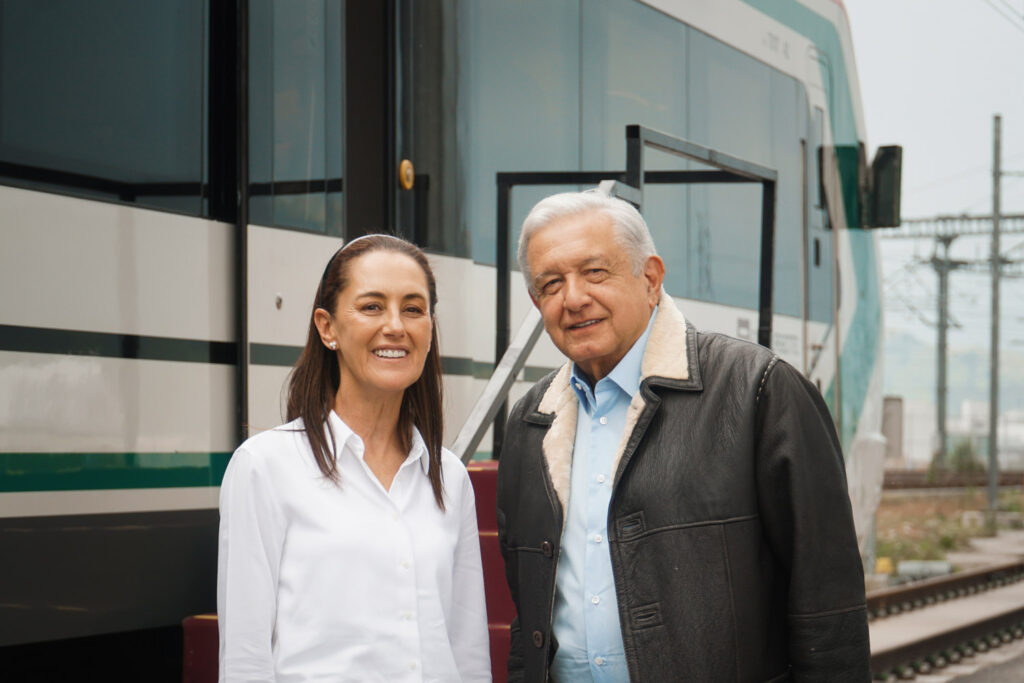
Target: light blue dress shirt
[(586, 612)]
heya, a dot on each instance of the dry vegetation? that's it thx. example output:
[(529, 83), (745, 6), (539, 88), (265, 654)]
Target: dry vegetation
[(914, 525)]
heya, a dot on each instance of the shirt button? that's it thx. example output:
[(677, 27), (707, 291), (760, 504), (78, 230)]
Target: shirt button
[(600, 479), (597, 538), (599, 661), (407, 616), (412, 666), (595, 599), (405, 564), (394, 516), (603, 420)]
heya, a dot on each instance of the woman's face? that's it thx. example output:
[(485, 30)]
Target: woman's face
[(382, 325)]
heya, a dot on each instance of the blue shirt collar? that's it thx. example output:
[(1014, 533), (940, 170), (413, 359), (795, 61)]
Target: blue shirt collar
[(626, 374)]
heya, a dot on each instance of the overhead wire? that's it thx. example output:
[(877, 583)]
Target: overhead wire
[(1012, 9), (1008, 17)]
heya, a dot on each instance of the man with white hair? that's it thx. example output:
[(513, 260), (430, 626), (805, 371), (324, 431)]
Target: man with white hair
[(672, 504)]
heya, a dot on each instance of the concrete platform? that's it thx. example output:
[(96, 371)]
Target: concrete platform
[(1007, 546)]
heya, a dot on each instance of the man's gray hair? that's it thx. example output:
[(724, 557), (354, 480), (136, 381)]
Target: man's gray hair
[(630, 228)]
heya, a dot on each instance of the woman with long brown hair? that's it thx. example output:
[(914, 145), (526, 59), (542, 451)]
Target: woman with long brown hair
[(348, 537)]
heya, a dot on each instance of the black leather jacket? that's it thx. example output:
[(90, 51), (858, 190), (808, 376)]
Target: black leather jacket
[(730, 530)]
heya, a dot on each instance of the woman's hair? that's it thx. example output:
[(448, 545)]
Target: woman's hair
[(313, 384), (630, 228)]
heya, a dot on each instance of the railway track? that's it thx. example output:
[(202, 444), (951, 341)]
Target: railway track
[(925, 626), (922, 479)]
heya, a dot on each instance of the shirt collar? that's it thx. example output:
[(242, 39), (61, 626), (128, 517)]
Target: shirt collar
[(344, 436), (626, 373)]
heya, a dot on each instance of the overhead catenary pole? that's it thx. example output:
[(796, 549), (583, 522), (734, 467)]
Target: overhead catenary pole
[(942, 267), (993, 401)]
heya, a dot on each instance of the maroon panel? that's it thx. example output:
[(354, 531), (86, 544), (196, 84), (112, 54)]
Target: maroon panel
[(499, 601), (202, 643), (501, 642), (500, 610), (484, 475)]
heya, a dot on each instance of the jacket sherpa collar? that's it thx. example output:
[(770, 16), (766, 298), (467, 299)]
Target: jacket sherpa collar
[(669, 359)]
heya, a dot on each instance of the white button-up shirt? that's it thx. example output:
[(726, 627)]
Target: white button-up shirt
[(318, 581)]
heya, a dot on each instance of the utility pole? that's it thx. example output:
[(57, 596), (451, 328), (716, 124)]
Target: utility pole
[(944, 230), (942, 270), (943, 266), (993, 401)]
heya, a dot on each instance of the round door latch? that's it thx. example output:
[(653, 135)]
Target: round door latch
[(406, 174)]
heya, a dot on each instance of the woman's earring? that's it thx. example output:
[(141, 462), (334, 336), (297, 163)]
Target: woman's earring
[(333, 345)]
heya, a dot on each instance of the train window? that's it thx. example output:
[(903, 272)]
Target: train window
[(633, 70), (296, 113), (105, 99), (788, 125), (636, 67), (508, 49), (730, 109), (819, 141)]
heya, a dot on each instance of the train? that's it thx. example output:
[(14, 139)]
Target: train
[(173, 177)]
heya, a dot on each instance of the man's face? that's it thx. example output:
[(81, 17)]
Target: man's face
[(593, 306)]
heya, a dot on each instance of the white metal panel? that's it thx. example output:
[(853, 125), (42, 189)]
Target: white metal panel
[(52, 503), (267, 397), (70, 263), (286, 264), (465, 307), (90, 404)]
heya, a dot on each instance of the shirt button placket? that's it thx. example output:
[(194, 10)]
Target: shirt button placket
[(406, 588)]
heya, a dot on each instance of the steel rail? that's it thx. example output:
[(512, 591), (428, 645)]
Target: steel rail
[(914, 479), (920, 656), (948, 646), (899, 599)]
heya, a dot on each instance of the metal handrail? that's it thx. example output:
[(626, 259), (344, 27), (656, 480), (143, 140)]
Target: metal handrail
[(498, 386), (627, 185)]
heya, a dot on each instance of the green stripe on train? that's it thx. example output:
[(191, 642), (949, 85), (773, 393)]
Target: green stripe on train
[(23, 472)]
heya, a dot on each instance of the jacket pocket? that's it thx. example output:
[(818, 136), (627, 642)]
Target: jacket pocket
[(645, 616)]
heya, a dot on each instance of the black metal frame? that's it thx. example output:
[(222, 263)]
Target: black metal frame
[(242, 218), (369, 101), (630, 186)]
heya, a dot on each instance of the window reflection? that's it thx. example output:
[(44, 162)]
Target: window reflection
[(295, 102), (105, 99)]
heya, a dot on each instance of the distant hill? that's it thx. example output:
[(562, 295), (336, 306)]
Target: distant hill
[(910, 372)]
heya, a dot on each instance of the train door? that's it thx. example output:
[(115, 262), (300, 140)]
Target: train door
[(352, 130), (322, 120), (820, 296)]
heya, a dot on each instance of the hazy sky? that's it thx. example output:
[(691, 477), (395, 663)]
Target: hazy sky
[(932, 75)]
